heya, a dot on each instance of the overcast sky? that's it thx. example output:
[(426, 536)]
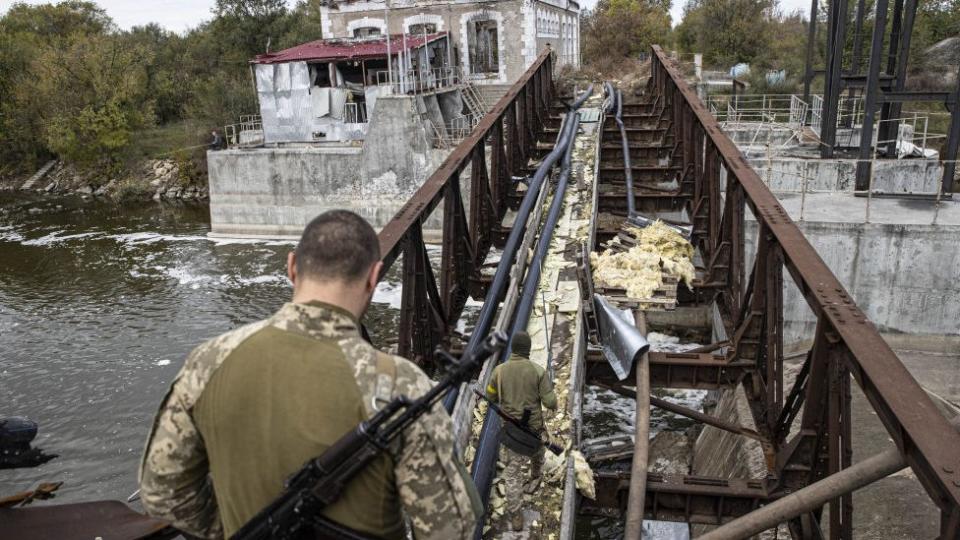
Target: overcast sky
[(179, 15)]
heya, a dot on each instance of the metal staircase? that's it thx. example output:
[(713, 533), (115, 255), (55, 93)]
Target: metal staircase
[(38, 175), (475, 103)]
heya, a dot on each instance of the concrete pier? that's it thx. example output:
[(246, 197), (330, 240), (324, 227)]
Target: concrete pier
[(274, 191)]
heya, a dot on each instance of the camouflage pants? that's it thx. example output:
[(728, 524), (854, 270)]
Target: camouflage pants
[(515, 479)]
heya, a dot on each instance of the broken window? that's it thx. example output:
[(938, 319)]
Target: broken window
[(422, 28), (482, 43), (366, 32)]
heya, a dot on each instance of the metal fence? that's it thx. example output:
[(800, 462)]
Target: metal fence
[(245, 133), (413, 81)]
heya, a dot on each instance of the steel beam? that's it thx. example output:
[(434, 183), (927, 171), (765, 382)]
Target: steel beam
[(913, 422), (811, 40), (675, 370), (953, 140), (866, 155), (689, 499), (833, 84)]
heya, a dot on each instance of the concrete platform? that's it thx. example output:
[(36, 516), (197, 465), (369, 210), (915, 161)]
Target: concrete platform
[(845, 207), (897, 507)]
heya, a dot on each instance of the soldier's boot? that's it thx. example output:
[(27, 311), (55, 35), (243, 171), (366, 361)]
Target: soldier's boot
[(536, 474), (516, 523)]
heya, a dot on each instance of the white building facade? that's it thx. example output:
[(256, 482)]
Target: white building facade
[(493, 41)]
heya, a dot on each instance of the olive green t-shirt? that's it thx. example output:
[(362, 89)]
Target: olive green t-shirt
[(279, 399)]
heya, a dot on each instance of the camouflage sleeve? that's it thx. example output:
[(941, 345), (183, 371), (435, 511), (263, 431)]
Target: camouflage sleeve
[(174, 482), (434, 493)]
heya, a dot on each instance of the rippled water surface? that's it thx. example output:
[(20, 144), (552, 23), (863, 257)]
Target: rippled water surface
[(99, 304)]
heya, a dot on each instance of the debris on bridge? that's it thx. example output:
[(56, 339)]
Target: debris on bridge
[(648, 261)]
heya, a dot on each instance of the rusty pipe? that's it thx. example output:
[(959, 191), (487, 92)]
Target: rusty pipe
[(641, 441), (688, 412), (813, 496)]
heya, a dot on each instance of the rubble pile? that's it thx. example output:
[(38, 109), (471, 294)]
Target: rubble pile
[(640, 269)]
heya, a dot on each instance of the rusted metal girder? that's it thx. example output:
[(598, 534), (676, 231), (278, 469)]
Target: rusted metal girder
[(689, 413), (675, 370), (846, 342), (690, 499), (431, 305)]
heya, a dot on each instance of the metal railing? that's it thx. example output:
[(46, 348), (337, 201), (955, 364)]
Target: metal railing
[(784, 109), (455, 131), (846, 345), (355, 113), (245, 133), (414, 81)]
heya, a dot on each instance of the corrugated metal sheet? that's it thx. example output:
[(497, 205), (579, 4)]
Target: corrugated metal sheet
[(286, 105), (325, 50)]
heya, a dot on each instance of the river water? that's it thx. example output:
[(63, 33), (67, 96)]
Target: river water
[(99, 305)]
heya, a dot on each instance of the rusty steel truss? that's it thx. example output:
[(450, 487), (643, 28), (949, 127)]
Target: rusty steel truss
[(806, 432), (495, 151)]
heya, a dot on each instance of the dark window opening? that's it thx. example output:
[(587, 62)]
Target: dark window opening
[(422, 28), (483, 50), (366, 32)]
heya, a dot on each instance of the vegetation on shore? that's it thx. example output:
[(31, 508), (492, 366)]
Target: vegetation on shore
[(756, 32), (75, 86)]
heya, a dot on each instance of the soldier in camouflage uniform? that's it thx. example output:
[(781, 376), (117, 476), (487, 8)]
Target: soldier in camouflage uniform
[(250, 407), (520, 385)]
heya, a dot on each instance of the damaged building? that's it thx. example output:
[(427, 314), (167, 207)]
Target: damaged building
[(493, 42), (361, 118)]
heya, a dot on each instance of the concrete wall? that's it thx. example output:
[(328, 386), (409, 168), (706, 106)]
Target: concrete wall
[(904, 277), (276, 191), (889, 176), (796, 174)]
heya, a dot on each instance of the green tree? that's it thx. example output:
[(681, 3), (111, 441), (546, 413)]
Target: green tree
[(727, 31), (619, 30), (25, 32), (168, 79), (305, 24), (92, 93), (244, 28)]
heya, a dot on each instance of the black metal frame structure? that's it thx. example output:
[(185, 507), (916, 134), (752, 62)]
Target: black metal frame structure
[(882, 87)]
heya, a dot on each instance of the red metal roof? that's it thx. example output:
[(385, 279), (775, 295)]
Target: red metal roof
[(325, 50)]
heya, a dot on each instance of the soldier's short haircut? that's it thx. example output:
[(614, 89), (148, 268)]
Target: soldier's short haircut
[(337, 245)]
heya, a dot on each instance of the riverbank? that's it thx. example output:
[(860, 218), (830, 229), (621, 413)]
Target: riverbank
[(156, 179)]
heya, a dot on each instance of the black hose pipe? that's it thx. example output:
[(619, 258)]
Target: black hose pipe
[(484, 463), (502, 275)]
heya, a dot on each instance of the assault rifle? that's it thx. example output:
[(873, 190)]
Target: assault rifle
[(520, 423), (322, 480)]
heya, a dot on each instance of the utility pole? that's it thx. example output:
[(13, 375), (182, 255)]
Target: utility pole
[(386, 18)]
